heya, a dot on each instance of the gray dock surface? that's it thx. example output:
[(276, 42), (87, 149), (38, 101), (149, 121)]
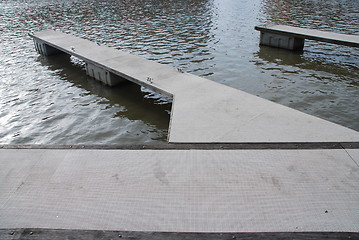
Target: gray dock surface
[(248, 186), (312, 34), (204, 111), (180, 190), (61, 234)]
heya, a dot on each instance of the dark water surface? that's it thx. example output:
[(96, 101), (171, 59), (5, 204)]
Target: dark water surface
[(51, 100)]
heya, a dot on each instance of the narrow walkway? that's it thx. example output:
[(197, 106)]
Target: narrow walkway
[(305, 33), (180, 190), (203, 110)]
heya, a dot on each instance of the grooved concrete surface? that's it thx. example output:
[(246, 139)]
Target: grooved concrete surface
[(325, 36), (203, 110), (180, 190), (354, 154)]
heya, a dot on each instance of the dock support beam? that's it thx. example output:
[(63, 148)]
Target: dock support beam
[(92, 70), (103, 75), (281, 41), (44, 49)]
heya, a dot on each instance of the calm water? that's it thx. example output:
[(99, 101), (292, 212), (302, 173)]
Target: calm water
[(51, 101)]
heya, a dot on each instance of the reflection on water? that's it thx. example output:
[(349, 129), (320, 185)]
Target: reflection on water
[(323, 80), (331, 15), (343, 66), (50, 100), (152, 110)]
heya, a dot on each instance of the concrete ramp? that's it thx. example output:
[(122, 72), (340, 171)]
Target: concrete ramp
[(202, 111)]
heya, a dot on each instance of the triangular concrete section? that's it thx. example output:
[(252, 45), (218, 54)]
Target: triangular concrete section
[(204, 111), (212, 112)]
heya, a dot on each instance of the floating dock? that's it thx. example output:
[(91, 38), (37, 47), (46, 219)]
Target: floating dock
[(203, 111), (236, 166), (292, 38)]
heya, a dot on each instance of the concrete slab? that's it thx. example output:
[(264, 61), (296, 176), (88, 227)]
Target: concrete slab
[(221, 114), (203, 110), (61, 234), (354, 154), (324, 36), (179, 190)]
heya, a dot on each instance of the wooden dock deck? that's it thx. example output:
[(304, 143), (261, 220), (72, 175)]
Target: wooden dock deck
[(203, 111), (289, 37)]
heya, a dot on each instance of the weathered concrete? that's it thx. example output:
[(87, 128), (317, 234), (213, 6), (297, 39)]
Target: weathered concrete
[(44, 49), (281, 41), (191, 146), (103, 75), (60, 234), (292, 38), (203, 110), (354, 154), (217, 113), (180, 190)]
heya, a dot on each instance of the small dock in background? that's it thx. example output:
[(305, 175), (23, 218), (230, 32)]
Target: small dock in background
[(236, 166), (292, 38)]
